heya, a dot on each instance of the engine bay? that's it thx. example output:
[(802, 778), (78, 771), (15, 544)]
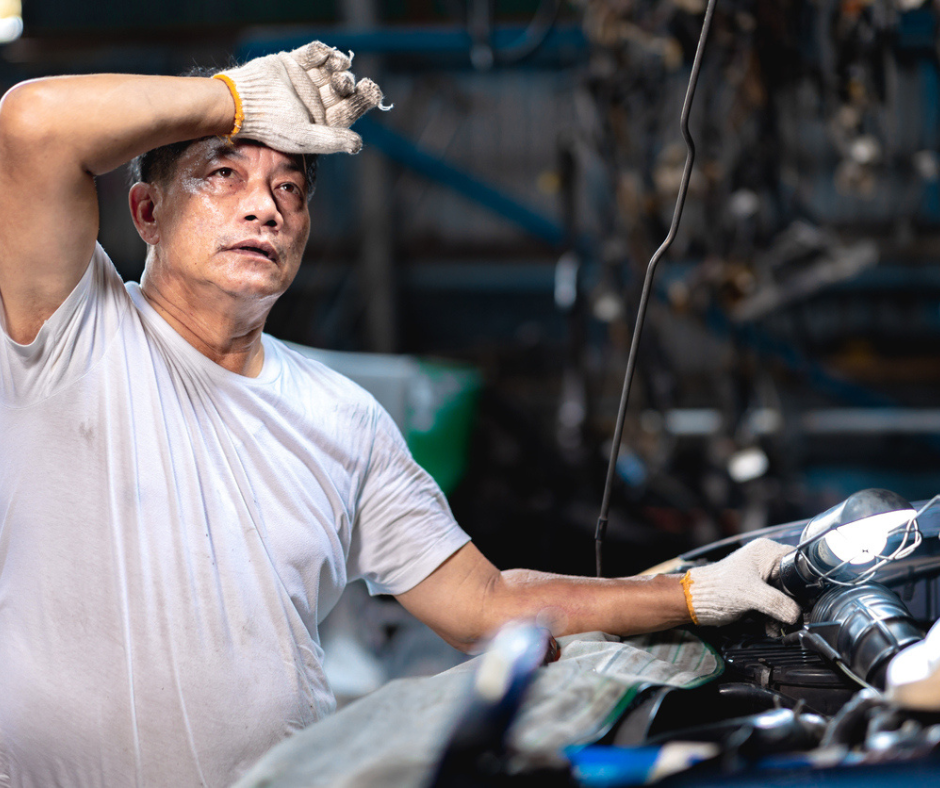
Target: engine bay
[(793, 694)]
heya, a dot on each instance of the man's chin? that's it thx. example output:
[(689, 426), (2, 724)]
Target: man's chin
[(254, 285), (253, 292)]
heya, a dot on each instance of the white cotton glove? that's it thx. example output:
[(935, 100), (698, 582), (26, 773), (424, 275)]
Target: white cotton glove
[(719, 593), (300, 102)]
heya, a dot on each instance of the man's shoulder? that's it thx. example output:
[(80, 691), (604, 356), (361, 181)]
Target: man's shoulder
[(324, 372), (71, 342)]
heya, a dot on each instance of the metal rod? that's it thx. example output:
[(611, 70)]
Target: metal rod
[(601, 531)]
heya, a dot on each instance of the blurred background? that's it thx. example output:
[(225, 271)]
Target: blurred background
[(478, 265)]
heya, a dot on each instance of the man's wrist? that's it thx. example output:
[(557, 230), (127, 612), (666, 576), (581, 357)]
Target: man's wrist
[(239, 110), (686, 583), (653, 602)]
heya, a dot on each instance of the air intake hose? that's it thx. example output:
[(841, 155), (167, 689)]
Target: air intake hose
[(862, 627)]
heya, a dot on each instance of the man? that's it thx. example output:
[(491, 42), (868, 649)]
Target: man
[(182, 498)]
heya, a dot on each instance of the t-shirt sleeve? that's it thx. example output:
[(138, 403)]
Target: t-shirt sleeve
[(403, 528), (70, 342)]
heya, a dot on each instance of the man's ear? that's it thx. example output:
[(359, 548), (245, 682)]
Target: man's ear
[(142, 200)]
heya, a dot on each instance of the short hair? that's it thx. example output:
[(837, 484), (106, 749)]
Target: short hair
[(159, 165)]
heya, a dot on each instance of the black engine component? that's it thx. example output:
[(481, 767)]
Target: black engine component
[(757, 735), (790, 670)]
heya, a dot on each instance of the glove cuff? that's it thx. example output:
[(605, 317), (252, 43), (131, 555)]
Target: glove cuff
[(686, 583), (713, 595), (239, 108), (707, 599)]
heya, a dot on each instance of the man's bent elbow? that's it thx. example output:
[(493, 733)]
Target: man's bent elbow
[(28, 117), (501, 602)]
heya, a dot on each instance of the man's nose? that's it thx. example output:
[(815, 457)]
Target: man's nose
[(259, 205)]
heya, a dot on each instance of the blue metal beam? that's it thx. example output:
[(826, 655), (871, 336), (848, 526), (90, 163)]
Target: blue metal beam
[(566, 40), (433, 167)]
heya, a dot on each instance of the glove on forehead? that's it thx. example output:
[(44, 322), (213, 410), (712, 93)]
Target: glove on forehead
[(302, 101)]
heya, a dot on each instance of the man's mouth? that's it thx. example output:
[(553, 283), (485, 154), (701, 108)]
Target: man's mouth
[(257, 247)]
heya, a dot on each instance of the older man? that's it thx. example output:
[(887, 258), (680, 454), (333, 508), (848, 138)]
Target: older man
[(182, 497)]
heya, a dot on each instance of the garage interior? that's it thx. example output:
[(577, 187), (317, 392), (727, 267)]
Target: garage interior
[(481, 261)]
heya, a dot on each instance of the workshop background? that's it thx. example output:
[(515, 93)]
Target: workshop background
[(479, 264)]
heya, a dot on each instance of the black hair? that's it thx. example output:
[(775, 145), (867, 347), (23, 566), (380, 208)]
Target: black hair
[(158, 165)]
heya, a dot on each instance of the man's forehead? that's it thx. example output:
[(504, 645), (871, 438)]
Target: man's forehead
[(218, 148)]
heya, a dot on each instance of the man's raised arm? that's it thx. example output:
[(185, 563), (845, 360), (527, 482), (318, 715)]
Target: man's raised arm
[(55, 136)]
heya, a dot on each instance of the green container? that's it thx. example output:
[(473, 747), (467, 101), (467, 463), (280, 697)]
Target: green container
[(440, 419), (433, 403)]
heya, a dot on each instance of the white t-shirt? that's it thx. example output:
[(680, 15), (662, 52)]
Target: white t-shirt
[(171, 534)]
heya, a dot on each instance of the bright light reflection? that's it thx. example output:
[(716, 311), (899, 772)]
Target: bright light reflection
[(11, 20), (748, 464), (863, 541), (11, 28)]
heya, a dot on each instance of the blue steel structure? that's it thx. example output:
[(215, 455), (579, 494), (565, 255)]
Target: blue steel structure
[(403, 151), (565, 42)]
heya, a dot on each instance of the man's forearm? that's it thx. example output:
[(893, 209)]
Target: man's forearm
[(57, 134), (567, 605), (467, 599), (105, 120)]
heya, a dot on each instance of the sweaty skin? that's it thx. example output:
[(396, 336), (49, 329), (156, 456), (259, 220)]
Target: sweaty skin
[(56, 135), (226, 237)]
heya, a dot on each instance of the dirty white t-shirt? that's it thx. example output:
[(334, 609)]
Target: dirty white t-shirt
[(171, 534)]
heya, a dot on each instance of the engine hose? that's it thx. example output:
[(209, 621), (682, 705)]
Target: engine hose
[(862, 627)]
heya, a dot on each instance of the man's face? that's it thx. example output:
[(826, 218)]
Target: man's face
[(232, 220)]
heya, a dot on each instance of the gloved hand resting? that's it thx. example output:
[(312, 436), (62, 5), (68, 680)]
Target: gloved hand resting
[(719, 593), (300, 102)]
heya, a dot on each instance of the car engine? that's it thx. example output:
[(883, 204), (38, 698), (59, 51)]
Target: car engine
[(812, 693)]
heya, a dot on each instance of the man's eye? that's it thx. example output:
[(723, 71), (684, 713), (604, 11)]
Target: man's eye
[(225, 172), (293, 188)]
